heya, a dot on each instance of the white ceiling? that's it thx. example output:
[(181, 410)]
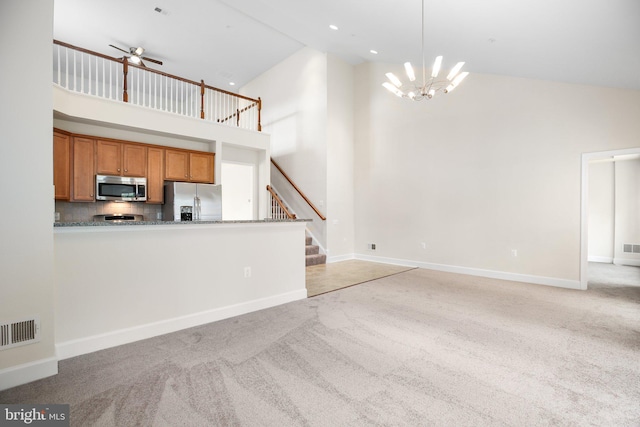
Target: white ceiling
[(594, 42)]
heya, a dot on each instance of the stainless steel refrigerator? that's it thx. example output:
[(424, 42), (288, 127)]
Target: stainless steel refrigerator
[(185, 201)]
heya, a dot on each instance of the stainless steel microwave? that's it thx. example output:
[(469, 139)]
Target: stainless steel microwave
[(121, 188)]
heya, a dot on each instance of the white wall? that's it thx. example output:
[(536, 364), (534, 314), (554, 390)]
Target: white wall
[(294, 113), (183, 275), (601, 211), (26, 159), (340, 160), (491, 167)]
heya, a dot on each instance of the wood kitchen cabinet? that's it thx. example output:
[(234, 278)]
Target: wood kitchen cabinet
[(82, 169), (121, 159), (62, 165), (189, 166), (176, 165), (201, 167), (155, 175)]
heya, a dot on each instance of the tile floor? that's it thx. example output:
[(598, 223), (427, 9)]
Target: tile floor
[(330, 277)]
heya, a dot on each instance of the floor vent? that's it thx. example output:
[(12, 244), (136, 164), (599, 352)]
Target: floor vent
[(21, 332)]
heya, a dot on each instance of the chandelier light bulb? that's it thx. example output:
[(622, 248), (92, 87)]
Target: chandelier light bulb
[(436, 67), (409, 70), (455, 70), (456, 82), (393, 79)]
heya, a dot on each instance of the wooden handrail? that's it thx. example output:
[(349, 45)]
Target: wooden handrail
[(201, 84), (279, 201), (306, 199), (237, 113)]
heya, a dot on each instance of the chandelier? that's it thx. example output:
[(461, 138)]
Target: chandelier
[(430, 86)]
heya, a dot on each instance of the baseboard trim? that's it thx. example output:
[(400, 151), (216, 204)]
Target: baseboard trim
[(502, 275), (627, 261), (90, 344), (339, 258), (603, 259), (28, 372)]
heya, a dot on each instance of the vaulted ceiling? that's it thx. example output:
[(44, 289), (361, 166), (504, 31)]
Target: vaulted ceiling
[(595, 42)]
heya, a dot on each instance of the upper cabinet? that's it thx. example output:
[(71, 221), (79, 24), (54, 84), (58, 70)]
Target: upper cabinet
[(62, 165), (122, 159), (176, 165), (201, 167), (155, 175), (183, 165), (78, 159), (82, 169)]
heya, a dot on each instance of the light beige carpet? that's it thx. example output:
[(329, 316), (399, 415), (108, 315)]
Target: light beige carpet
[(416, 348)]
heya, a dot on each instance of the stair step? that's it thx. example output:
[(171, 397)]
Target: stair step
[(315, 259), (307, 240), (311, 250)]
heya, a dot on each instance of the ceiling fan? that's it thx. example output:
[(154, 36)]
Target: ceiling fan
[(135, 55)]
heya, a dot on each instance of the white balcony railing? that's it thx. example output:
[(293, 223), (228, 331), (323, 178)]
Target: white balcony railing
[(91, 73)]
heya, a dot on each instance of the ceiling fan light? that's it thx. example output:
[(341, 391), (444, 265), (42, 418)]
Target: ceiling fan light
[(138, 51), (134, 59), (436, 66), (393, 79), (409, 70), (455, 70)]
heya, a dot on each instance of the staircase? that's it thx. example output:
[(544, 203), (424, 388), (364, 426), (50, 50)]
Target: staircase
[(280, 210), (312, 253)]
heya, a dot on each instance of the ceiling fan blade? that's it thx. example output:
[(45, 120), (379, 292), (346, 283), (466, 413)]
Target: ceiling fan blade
[(152, 60), (121, 50)]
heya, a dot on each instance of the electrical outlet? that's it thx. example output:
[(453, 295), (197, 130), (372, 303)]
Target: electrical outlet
[(423, 245), (247, 272), (514, 252), (158, 215), (372, 246), (56, 216)]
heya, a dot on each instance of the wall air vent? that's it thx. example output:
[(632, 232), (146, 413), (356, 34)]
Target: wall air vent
[(630, 248), (20, 332)]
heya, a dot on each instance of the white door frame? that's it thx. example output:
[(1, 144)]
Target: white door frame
[(584, 206)]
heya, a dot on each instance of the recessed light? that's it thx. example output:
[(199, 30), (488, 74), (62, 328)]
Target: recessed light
[(375, 52), (333, 27)]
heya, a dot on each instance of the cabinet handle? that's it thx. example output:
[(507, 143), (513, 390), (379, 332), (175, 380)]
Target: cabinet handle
[(118, 169), (126, 170)]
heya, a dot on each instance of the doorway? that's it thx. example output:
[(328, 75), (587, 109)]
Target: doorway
[(588, 160), (238, 191)]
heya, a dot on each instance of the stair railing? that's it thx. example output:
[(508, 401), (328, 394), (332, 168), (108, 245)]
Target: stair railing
[(306, 199), (278, 209), (92, 73)]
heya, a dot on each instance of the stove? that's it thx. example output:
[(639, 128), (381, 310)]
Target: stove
[(119, 217)]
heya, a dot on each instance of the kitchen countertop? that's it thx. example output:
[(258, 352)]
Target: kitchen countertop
[(187, 223)]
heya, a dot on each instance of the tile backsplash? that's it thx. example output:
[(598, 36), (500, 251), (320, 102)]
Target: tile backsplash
[(84, 212)]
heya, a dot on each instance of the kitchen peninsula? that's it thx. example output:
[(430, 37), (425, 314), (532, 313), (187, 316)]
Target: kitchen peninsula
[(118, 283)]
